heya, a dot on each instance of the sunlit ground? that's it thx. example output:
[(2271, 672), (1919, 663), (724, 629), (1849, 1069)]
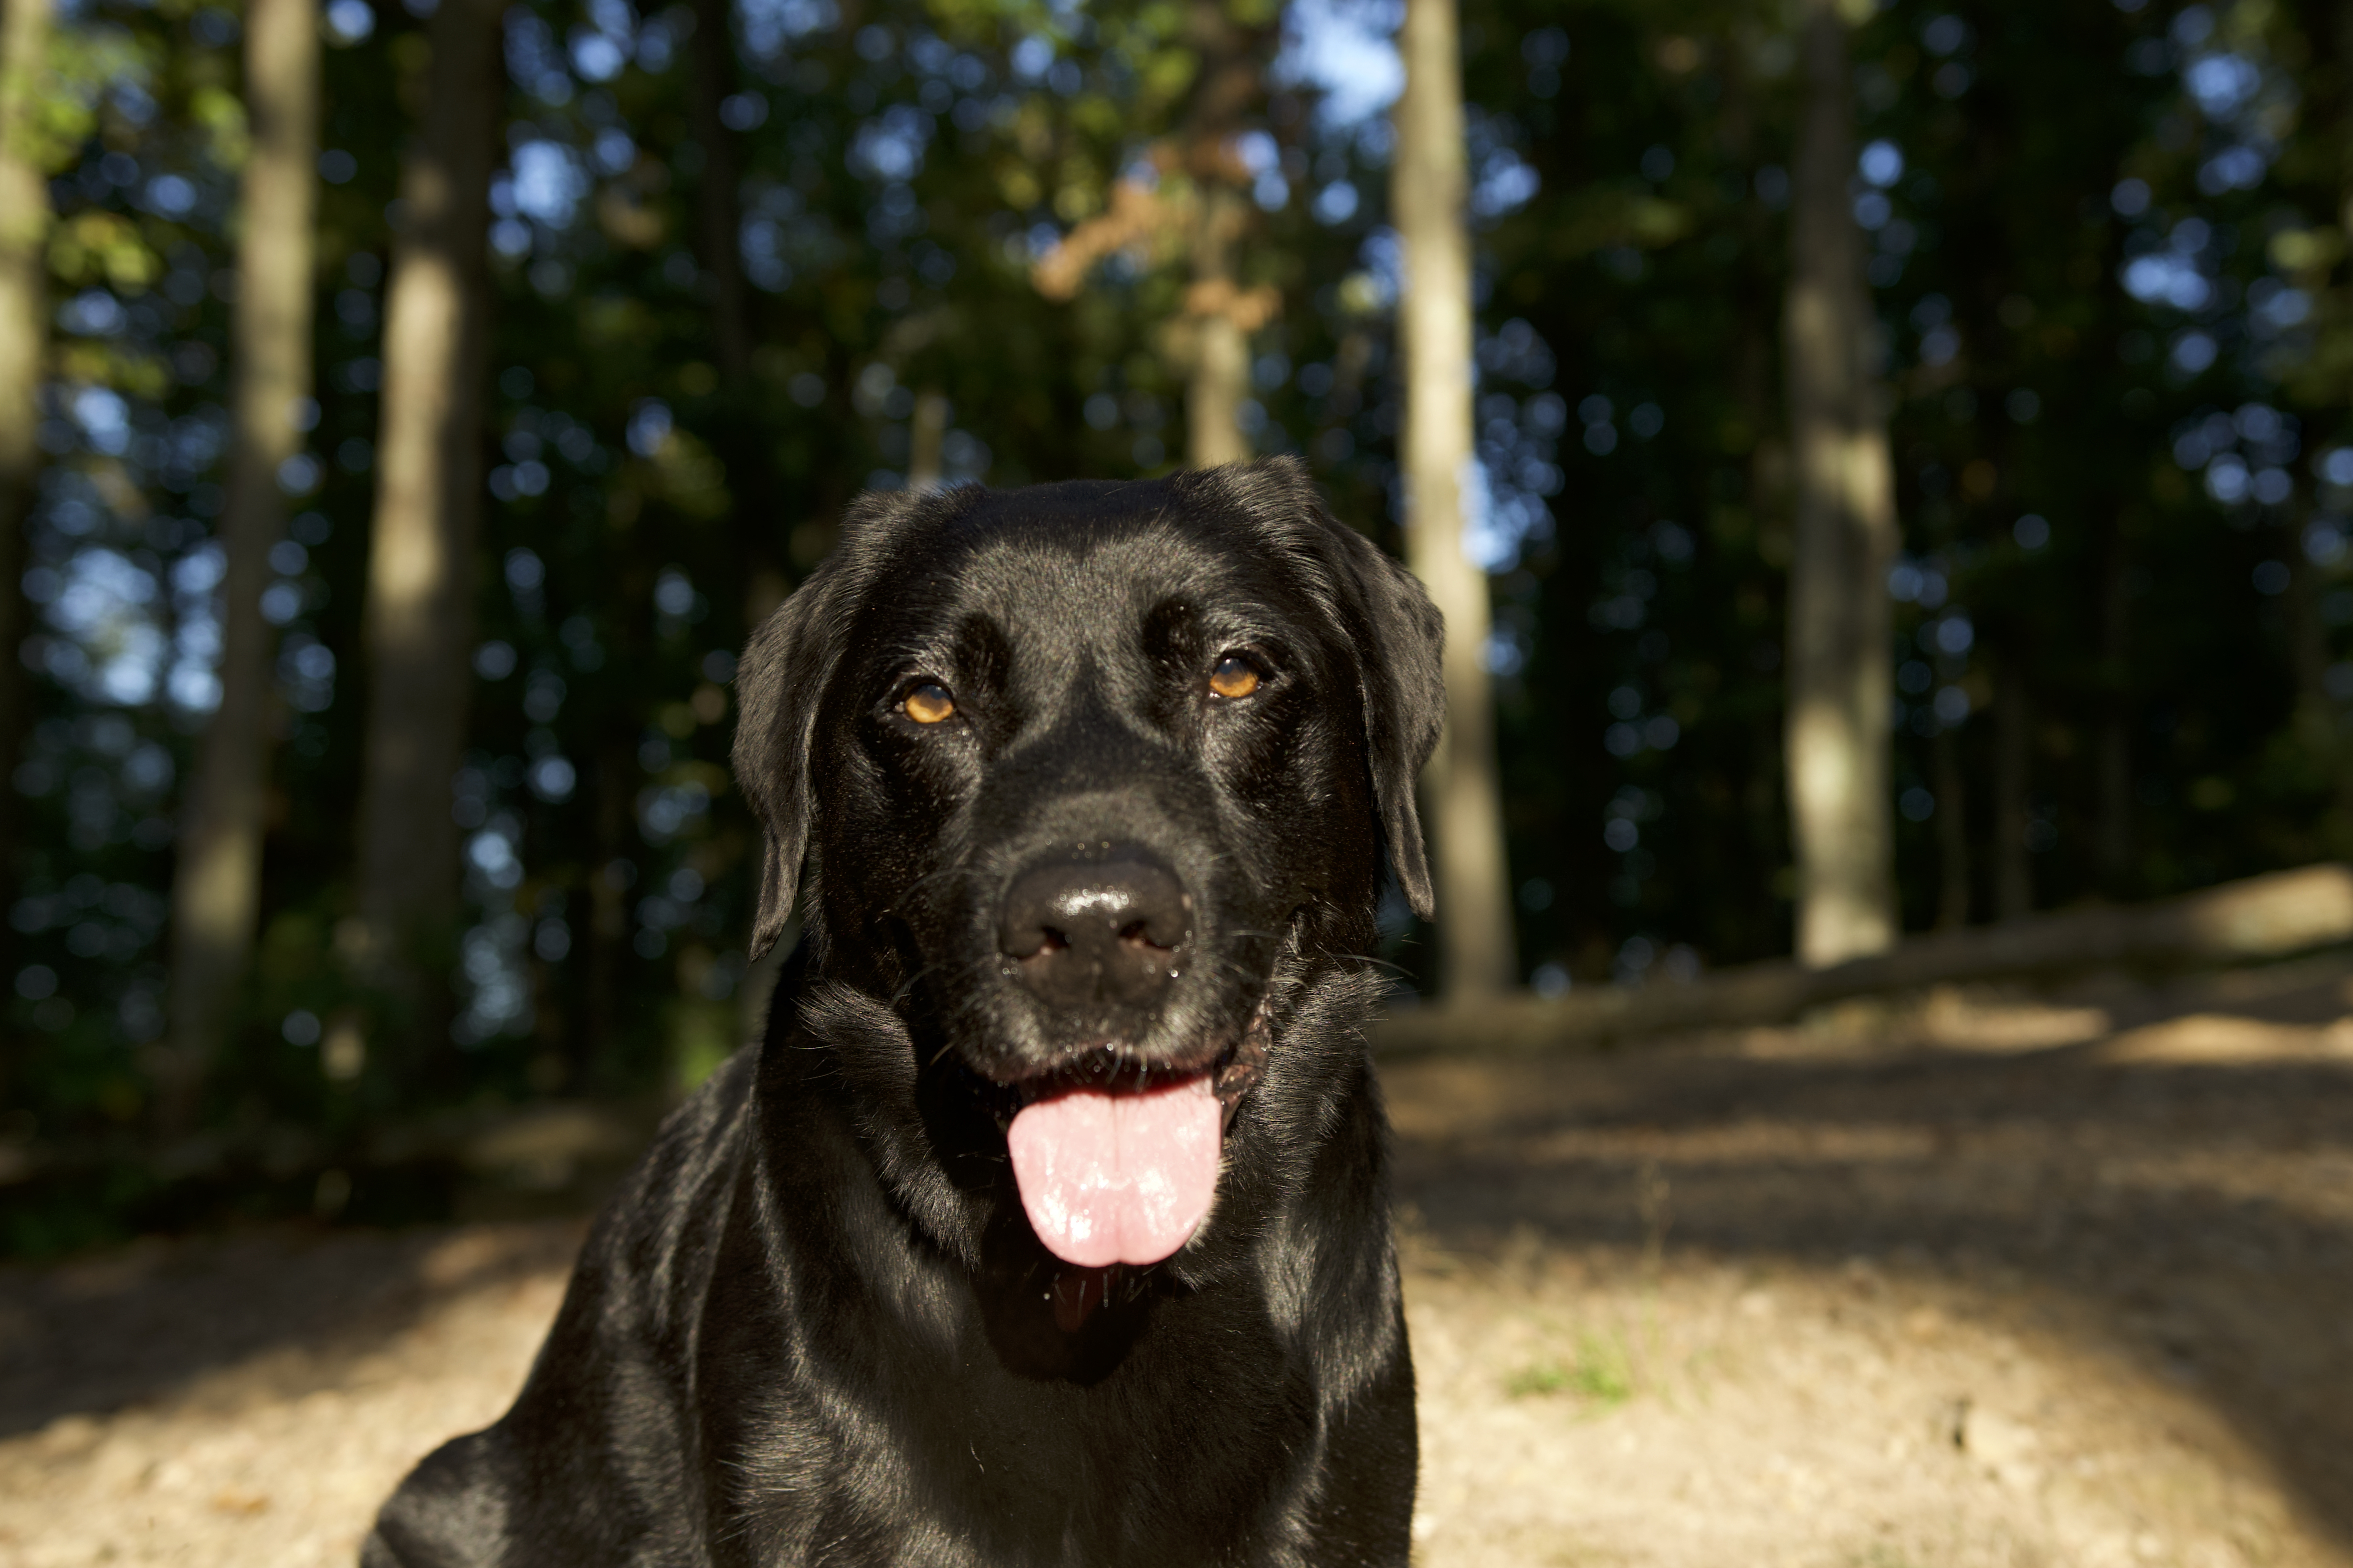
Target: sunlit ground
[(1981, 1281)]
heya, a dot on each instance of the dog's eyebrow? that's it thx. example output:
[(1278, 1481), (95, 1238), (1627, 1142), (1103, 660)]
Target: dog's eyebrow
[(923, 645)]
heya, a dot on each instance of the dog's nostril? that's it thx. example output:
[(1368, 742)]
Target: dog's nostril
[(1089, 933)]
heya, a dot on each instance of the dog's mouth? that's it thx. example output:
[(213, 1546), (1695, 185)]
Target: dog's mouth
[(1117, 1161)]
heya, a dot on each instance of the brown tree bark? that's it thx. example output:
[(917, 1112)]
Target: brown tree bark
[(1839, 626), (1222, 315), (926, 433), (1430, 196), (1219, 378), (215, 889), (418, 621), (24, 232)]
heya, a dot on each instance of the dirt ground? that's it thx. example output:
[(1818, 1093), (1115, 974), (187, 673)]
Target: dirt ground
[(1983, 1279)]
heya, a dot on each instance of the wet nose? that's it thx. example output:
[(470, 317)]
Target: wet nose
[(1090, 934)]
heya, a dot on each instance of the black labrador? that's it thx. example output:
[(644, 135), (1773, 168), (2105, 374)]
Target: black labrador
[(1048, 1224)]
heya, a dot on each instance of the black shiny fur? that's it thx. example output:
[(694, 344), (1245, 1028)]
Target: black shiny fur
[(814, 1326)]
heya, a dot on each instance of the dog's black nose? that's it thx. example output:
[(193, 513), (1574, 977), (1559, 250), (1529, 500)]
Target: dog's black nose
[(1091, 934)]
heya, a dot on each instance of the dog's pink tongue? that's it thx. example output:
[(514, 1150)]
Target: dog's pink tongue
[(1117, 1178)]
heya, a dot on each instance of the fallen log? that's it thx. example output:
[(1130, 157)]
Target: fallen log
[(2271, 916)]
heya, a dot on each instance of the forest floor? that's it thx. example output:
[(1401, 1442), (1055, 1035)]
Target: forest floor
[(1986, 1278)]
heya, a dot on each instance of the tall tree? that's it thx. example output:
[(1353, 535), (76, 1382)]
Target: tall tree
[(1218, 377), (24, 232), (740, 430), (1430, 198), (719, 218), (2113, 740), (1839, 621), (1952, 831), (419, 614), (2013, 739), (217, 887), (925, 431)]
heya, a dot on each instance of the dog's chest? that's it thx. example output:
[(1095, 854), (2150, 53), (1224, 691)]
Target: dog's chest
[(1168, 1459)]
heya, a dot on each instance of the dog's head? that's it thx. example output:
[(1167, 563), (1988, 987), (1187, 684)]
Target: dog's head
[(1070, 775)]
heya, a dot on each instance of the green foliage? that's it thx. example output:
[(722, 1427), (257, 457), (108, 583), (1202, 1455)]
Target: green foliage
[(658, 484), (1601, 1373)]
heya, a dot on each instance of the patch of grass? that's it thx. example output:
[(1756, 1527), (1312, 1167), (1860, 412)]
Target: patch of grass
[(1599, 1373), (1538, 1377), (1881, 1555)]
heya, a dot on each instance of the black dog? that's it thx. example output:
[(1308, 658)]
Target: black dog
[(1049, 1222)]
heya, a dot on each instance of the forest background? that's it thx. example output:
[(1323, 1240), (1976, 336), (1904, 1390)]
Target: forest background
[(731, 265)]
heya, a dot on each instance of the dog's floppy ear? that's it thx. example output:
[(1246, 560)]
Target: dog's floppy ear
[(1399, 637), (777, 683), (1401, 672), (784, 673)]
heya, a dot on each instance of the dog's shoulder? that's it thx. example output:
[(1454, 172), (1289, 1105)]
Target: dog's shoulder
[(636, 1292), (604, 1423)]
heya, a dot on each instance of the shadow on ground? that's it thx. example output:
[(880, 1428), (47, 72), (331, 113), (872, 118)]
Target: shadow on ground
[(2167, 1174), (136, 1324), (2180, 1188)]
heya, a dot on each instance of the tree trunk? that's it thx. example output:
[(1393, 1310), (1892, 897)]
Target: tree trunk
[(215, 892), (926, 432), (1838, 628), (738, 430), (1219, 375), (1222, 317), (2308, 642), (2263, 917), (2316, 724), (1430, 198), (1952, 833), (2114, 846), (718, 201), (2334, 61), (419, 619), (2013, 871), (24, 315), (598, 1043)]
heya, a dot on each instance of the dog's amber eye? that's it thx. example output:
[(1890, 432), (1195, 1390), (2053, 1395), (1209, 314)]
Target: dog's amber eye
[(1234, 677), (928, 703)]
